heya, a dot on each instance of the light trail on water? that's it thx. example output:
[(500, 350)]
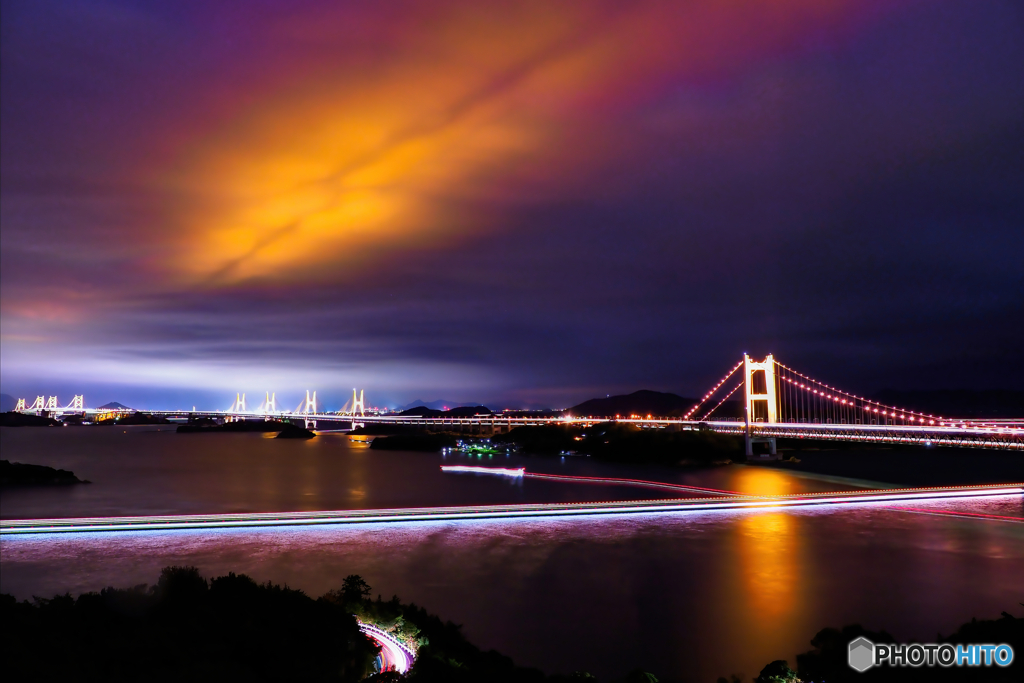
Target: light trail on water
[(632, 482), (504, 471), (957, 513), (521, 472), (485, 512)]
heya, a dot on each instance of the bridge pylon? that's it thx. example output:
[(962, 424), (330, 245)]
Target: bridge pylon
[(755, 397), (310, 407), (271, 405), (51, 403), (239, 406), (358, 404), (77, 403), (40, 403), (21, 405)]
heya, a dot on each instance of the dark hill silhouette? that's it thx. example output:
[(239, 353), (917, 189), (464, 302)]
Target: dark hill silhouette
[(16, 473), (437, 405), (113, 405), (238, 426), (291, 431), (654, 403), (7, 403), (464, 411), (643, 402), (13, 419)]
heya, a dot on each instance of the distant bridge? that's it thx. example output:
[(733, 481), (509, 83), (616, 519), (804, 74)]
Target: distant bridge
[(779, 402)]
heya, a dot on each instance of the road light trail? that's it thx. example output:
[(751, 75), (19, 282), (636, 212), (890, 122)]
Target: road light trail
[(393, 655)]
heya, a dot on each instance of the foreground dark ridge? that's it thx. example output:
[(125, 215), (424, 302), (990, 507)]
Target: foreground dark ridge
[(233, 628)]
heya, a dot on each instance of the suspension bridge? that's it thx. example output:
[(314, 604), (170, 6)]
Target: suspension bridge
[(777, 401)]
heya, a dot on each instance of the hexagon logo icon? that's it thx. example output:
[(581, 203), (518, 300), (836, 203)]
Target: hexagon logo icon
[(861, 656)]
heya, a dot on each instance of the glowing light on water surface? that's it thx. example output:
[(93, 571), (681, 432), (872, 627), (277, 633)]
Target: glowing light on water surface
[(504, 471)]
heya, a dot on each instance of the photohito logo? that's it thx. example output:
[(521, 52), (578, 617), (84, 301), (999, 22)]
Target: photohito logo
[(863, 654)]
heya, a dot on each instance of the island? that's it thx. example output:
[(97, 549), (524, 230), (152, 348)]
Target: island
[(21, 474), (15, 419), (210, 427), (291, 431)]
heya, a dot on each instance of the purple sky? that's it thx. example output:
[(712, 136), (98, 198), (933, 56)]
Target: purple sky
[(516, 203)]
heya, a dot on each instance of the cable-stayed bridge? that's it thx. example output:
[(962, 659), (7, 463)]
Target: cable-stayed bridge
[(778, 402)]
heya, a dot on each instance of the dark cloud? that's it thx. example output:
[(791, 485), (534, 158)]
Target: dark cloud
[(854, 205)]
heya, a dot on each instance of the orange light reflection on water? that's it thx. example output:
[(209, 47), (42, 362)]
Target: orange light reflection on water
[(764, 482), (771, 560)]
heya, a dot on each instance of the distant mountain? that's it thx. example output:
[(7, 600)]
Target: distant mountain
[(641, 402), (530, 408), (957, 402), (7, 403), (462, 411), (114, 405), (435, 405), (655, 403)]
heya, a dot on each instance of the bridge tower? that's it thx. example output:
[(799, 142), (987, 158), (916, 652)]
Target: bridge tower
[(21, 405), (40, 403), (77, 403), (755, 396), (51, 404), (310, 408), (271, 405), (358, 404), (239, 406)]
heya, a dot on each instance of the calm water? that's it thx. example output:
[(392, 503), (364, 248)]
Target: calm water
[(686, 596)]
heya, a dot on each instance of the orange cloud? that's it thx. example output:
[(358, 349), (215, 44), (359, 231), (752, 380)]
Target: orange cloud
[(374, 155)]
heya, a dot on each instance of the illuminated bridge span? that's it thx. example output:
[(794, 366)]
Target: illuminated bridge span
[(504, 512), (778, 402)]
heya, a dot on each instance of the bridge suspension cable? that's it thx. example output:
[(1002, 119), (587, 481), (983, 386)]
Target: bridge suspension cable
[(51, 404), (804, 399), (714, 389), (724, 399), (798, 398)]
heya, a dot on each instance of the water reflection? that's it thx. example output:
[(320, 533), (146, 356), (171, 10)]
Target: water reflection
[(696, 596), (685, 595), (765, 482), (770, 557)]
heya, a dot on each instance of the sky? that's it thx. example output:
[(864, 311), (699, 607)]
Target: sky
[(518, 203)]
